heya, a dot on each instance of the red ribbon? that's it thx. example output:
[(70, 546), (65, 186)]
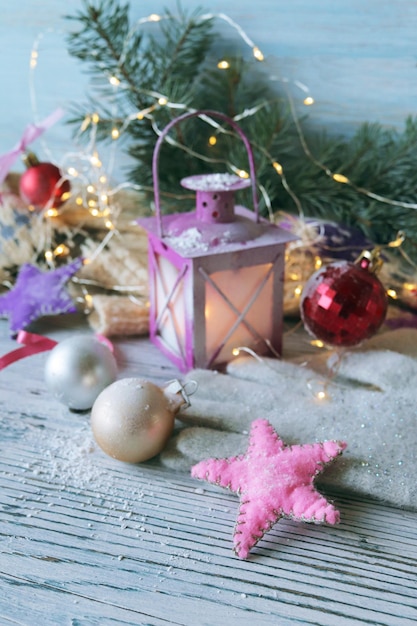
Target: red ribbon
[(32, 344)]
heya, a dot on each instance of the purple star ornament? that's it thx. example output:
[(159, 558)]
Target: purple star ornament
[(272, 481), (37, 293)]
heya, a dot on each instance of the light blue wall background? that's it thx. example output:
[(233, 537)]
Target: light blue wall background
[(358, 57)]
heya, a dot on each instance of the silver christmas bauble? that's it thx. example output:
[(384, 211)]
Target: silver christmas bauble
[(132, 419), (78, 369)]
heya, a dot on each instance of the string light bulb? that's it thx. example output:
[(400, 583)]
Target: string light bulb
[(223, 65), (308, 101), (61, 250), (34, 59), (257, 54), (95, 161), (340, 178), (317, 343)]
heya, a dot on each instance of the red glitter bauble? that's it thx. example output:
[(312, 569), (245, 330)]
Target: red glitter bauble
[(42, 185), (343, 303)]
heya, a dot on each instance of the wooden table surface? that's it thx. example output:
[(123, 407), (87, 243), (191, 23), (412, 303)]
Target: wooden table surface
[(87, 540)]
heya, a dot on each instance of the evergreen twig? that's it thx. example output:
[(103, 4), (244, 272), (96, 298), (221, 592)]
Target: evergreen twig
[(180, 64)]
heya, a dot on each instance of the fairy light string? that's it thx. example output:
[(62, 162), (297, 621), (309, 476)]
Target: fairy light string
[(91, 179)]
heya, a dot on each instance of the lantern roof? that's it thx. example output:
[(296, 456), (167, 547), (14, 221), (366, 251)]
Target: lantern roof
[(190, 237)]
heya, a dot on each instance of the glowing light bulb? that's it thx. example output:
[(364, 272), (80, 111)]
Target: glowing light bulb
[(61, 250), (308, 101), (65, 196), (212, 140), (398, 241), (86, 123), (242, 173), (277, 167), (108, 224), (298, 290), (91, 188), (340, 178), (154, 17), (79, 201), (223, 65), (235, 351), (95, 118), (103, 179), (319, 389), (317, 343), (163, 101), (257, 54), (88, 300), (49, 255), (72, 172), (392, 294), (115, 133), (113, 80), (33, 59), (52, 213), (95, 161)]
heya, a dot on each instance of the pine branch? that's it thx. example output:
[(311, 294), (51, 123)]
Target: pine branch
[(181, 63)]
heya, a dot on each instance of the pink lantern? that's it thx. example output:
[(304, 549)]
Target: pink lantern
[(216, 274)]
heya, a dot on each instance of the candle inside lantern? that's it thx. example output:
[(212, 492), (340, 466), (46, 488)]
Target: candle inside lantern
[(226, 328)]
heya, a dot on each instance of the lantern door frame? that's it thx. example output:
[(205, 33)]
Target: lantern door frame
[(193, 276)]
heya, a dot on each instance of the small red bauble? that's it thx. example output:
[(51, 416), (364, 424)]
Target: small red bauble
[(42, 185), (343, 304)]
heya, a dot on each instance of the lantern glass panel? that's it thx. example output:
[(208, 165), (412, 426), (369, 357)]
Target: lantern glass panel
[(238, 310), (169, 304)]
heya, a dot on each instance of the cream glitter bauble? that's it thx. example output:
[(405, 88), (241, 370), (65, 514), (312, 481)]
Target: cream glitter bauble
[(132, 419), (78, 369)]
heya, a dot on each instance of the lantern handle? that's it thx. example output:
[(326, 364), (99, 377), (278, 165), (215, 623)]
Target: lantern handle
[(165, 131)]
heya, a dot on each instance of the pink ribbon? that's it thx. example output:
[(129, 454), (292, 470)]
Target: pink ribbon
[(31, 132), (32, 344)]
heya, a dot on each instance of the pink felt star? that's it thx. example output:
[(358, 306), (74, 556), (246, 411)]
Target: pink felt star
[(273, 481), (38, 293)]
